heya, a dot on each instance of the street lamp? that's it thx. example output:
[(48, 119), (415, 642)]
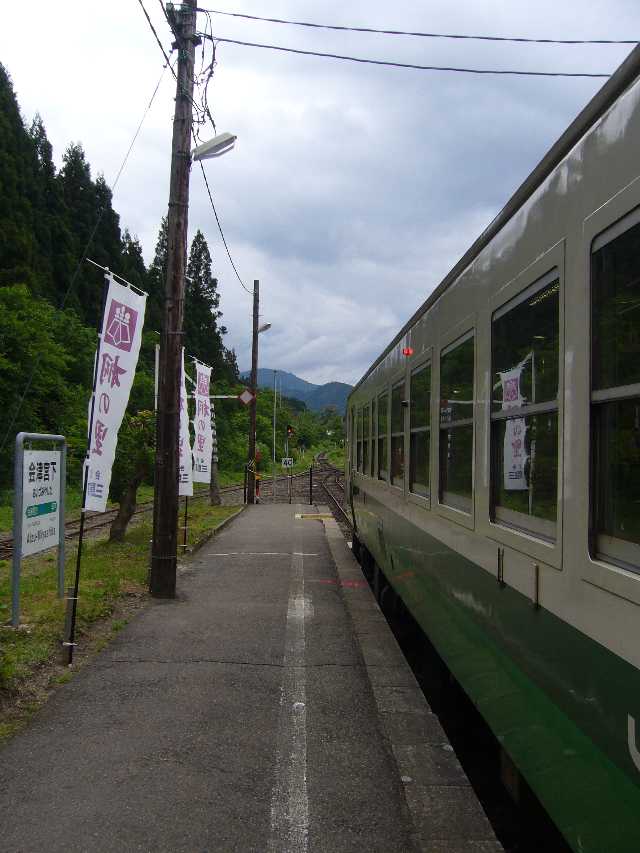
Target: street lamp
[(215, 147)]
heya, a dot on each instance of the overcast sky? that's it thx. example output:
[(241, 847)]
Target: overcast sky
[(352, 189)]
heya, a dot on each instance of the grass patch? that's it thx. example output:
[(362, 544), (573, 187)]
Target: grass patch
[(73, 502), (111, 572), (336, 457)]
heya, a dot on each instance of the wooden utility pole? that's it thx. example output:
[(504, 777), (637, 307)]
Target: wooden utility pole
[(251, 492), (162, 578)]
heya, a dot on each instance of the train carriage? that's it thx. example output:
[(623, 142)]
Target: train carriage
[(494, 472)]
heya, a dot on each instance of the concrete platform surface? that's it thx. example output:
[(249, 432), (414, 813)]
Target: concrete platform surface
[(244, 716)]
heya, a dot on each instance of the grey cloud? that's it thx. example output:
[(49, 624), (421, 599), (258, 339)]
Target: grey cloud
[(352, 190)]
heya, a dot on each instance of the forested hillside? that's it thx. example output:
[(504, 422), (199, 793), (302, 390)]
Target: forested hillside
[(51, 220), (315, 397)]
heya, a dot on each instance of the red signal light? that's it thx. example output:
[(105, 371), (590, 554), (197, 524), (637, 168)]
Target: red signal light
[(407, 351)]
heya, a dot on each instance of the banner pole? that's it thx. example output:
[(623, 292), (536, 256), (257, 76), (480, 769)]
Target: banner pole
[(69, 643), (186, 516)]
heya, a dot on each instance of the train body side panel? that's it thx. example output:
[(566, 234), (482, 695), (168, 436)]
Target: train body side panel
[(556, 700)]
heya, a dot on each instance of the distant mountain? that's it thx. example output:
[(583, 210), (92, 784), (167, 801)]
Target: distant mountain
[(316, 397)]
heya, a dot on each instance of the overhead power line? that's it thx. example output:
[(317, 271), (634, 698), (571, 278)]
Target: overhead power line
[(153, 30), (215, 213), (520, 39), (410, 65)]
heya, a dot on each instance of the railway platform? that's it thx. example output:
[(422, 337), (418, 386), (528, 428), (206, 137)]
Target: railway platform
[(266, 708)]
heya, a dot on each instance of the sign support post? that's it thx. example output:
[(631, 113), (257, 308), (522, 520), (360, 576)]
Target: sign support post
[(39, 509)]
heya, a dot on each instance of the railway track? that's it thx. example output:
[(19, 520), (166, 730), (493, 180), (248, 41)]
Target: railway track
[(333, 488), (229, 495)]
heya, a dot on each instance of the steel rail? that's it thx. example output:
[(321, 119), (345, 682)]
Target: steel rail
[(336, 503)]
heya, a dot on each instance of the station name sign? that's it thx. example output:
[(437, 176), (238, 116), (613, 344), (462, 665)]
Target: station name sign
[(41, 500)]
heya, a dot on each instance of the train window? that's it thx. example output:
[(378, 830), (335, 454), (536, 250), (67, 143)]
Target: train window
[(352, 437), (524, 418), (615, 394), (359, 442), (383, 419), (420, 431), (456, 424), (397, 435), (365, 441)]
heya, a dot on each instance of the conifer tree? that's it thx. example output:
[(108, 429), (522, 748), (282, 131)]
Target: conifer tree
[(156, 279), (203, 336), (133, 265), (56, 245), (18, 191), (107, 242), (81, 213)]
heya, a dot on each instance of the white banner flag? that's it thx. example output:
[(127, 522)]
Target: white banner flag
[(203, 445), (514, 452), (185, 482), (117, 359)]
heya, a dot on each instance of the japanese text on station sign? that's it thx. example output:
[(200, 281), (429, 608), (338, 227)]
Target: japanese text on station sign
[(41, 499)]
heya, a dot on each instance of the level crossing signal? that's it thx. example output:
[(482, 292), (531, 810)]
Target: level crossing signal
[(290, 430)]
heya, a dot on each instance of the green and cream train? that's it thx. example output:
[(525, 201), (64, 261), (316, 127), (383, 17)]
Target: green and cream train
[(494, 472)]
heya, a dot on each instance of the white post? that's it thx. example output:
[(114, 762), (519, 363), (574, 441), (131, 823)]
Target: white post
[(274, 436)]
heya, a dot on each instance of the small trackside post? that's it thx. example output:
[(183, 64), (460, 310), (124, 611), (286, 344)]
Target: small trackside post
[(311, 486)]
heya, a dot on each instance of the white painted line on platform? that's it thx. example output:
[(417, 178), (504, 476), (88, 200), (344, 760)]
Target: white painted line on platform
[(262, 554), (289, 798)]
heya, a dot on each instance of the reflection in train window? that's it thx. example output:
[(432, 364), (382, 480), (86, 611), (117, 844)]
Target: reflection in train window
[(615, 395), (524, 403), (383, 419), (456, 424), (365, 441), (397, 435), (615, 275), (420, 431), (360, 419)]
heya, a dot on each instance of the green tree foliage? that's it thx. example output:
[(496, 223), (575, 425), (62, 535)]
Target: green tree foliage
[(203, 330), (156, 278), (232, 421), (19, 250), (133, 466), (58, 349), (51, 223), (84, 202)]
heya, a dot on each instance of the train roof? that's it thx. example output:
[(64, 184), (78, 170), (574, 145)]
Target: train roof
[(620, 80)]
